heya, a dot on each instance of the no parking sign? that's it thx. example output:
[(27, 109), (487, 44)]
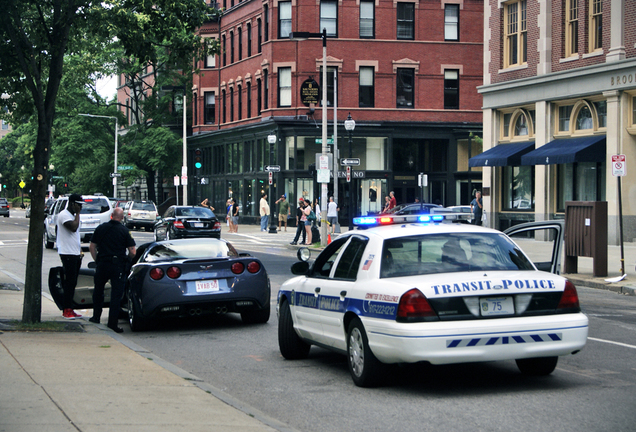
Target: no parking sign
[(619, 168)]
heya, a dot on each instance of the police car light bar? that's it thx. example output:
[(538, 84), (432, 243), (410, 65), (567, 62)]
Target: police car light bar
[(367, 221)]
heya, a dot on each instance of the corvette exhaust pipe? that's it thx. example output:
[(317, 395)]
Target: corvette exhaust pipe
[(194, 312), (221, 310)]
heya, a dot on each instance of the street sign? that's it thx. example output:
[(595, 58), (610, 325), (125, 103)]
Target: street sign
[(115, 174), (354, 174), (348, 174), (271, 177), (184, 180), (176, 180), (58, 177), (619, 166), (329, 141), (22, 184), (350, 161), (422, 180), (125, 167), (272, 168)]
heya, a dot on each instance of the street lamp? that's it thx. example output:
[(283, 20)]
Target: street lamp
[(350, 125), (116, 134), (298, 36), (271, 139)]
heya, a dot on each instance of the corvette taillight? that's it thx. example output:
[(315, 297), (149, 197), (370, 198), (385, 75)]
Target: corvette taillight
[(569, 299), (414, 307), (156, 273), (179, 225), (173, 272), (238, 268), (253, 267)]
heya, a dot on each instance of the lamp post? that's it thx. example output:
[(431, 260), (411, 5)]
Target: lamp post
[(116, 134), (271, 139), (350, 125), (324, 187)]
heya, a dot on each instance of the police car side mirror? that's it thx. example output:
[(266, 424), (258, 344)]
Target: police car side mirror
[(300, 268)]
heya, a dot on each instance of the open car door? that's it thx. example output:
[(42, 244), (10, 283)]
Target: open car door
[(542, 242)]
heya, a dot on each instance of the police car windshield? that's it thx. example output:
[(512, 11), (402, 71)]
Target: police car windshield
[(449, 253), (188, 249)]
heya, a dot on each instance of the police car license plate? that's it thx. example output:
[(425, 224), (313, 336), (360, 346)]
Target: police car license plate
[(207, 285), (494, 306), (198, 225)]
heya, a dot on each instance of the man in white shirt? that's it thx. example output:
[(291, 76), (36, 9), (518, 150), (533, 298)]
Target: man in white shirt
[(70, 251), (332, 213), (264, 211)]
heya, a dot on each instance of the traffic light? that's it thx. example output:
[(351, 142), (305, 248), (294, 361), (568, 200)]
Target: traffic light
[(198, 159)]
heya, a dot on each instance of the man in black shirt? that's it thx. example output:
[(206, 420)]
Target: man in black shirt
[(108, 248)]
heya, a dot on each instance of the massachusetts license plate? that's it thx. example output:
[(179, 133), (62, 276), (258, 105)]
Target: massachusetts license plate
[(207, 285), (198, 224), (494, 306)]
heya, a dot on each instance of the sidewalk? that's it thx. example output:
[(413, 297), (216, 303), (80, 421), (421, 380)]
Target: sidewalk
[(96, 380)]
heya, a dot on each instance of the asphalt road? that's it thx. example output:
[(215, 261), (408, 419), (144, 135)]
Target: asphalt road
[(591, 391)]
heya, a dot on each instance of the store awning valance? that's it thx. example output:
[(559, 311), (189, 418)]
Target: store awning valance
[(568, 150), (502, 155)]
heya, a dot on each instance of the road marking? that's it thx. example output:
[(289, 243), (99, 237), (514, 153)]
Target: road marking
[(12, 276), (612, 342)]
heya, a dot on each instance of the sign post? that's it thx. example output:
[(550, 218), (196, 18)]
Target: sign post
[(619, 169), (176, 187)]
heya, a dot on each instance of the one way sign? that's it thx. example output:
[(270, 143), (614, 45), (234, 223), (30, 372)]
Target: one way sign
[(350, 162)]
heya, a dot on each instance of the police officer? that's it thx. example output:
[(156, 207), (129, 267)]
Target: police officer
[(108, 248)]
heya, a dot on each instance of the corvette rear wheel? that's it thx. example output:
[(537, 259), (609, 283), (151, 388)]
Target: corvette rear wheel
[(365, 369), (539, 366), (137, 323), (291, 346), (256, 317)]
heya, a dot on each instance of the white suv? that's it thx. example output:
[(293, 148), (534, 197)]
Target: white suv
[(96, 211), (138, 214)]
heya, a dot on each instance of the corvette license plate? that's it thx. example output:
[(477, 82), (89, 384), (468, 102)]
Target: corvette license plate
[(198, 224), (207, 285), (494, 306)]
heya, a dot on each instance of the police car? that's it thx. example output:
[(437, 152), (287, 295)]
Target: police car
[(415, 289)]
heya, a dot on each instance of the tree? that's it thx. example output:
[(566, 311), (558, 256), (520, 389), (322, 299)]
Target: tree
[(36, 36)]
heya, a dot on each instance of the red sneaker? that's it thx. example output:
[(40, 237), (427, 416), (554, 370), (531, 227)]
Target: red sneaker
[(68, 314), (76, 315)]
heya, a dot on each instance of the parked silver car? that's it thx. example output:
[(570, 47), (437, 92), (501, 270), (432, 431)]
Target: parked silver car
[(4, 207), (96, 211)]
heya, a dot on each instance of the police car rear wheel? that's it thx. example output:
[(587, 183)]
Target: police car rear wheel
[(537, 366), (364, 367), (291, 346)]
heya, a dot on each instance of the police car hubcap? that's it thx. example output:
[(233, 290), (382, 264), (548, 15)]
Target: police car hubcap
[(356, 352)]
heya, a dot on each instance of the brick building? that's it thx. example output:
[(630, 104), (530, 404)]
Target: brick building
[(406, 71), (558, 97)]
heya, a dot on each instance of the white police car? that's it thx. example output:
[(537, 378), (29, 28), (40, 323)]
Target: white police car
[(429, 291)]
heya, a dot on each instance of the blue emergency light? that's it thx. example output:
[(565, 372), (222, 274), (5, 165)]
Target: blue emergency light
[(368, 221)]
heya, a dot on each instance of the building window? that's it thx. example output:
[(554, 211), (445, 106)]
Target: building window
[(367, 91), (224, 48), (249, 100), (249, 39), (405, 21), (284, 87), (571, 27), (596, 25), (266, 29), (515, 42), (564, 117), (329, 17), (259, 97), (210, 61), (284, 19), (259, 41), (224, 106), (506, 125), (519, 193), (210, 108), (265, 90), (581, 181), (521, 126), (451, 89), (451, 22), (231, 47), (231, 104), (367, 19), (239, 35), (584, 119), (601, 113), (331, 74), (239, 94), (405, 84)]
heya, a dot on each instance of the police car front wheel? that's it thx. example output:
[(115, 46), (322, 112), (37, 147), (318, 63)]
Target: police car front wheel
[(365, 368)]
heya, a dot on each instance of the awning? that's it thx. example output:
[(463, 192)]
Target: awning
[(568, 150), (502, 155)]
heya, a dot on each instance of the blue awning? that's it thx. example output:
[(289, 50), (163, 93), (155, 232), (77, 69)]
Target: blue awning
[(568, 150), (502, 155)]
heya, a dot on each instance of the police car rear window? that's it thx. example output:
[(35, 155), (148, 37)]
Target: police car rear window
[(449, 253)]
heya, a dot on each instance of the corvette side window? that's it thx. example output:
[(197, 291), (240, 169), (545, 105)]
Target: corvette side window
[(350, 259)]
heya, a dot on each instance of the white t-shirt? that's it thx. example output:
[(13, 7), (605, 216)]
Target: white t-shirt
[(332, 209), (265, 206), (68, 242), (317, 210)]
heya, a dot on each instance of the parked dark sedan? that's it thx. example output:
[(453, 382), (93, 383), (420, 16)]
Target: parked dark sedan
[(187, 221), (414, 208), (191, 277)]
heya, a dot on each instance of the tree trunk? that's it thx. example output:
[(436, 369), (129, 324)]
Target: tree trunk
[(150, 184)]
